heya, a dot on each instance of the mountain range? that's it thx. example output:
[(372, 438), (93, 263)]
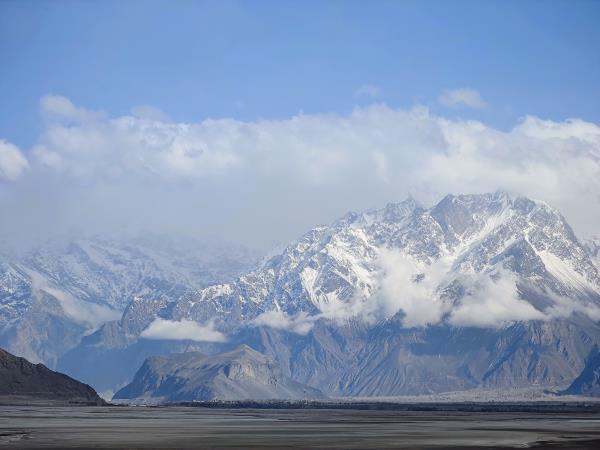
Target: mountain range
[(476, 292)]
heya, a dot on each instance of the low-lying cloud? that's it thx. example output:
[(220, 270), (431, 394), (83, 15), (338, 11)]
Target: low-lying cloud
[(85, 313), (414, 292), (182, 330), (410, 286), (492, 300), (301, 323)]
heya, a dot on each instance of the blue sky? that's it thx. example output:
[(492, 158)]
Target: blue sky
[(273, 59)]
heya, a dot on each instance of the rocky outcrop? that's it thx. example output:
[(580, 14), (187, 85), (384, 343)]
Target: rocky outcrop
[(239, 374), (22, 382)]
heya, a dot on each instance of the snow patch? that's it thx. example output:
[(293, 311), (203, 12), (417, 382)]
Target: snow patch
[(564, 272)]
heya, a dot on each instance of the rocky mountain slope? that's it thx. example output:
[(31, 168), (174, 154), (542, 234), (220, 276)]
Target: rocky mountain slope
[(22, 382), (588, 381), (441, 256), (239, 374), (53, 295), (478, 291)]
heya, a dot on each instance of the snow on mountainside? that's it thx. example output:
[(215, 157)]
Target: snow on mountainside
[(53, 295), (450, 258)]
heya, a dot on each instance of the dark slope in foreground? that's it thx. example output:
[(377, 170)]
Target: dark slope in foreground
[(242, 373), (22, 382)]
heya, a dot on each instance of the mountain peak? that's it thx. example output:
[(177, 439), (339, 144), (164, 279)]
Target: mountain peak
[(395, 212)]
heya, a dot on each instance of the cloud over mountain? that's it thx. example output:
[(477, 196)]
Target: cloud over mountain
[(115, 172), (182, 329)]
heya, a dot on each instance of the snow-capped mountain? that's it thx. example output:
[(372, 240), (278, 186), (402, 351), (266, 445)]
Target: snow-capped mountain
[(477, 291), (443, 257), (53, 295)]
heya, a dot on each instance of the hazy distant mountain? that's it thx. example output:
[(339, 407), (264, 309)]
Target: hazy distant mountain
[(239, 374), (53, 295), (24, 383), (478, 291)]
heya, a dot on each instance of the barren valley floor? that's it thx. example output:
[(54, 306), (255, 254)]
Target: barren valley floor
[(175, 427)]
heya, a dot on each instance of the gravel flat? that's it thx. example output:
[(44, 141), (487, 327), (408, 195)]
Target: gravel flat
[(174, 427)]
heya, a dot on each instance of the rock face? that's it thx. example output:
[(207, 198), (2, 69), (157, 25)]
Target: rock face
[(588, 382), (22, 382), (239, 374)]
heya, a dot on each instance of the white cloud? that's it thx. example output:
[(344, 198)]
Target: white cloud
[(368, 91), (565, 307), (417, 292), (12, 161), (409, 286), (267, 181), (82, 312), (301, 324), (182, 330), (414, 288), (462, 97), (492, 300)]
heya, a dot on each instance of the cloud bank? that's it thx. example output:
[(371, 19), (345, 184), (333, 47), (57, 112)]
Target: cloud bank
[(267, 181), (182, 330)]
